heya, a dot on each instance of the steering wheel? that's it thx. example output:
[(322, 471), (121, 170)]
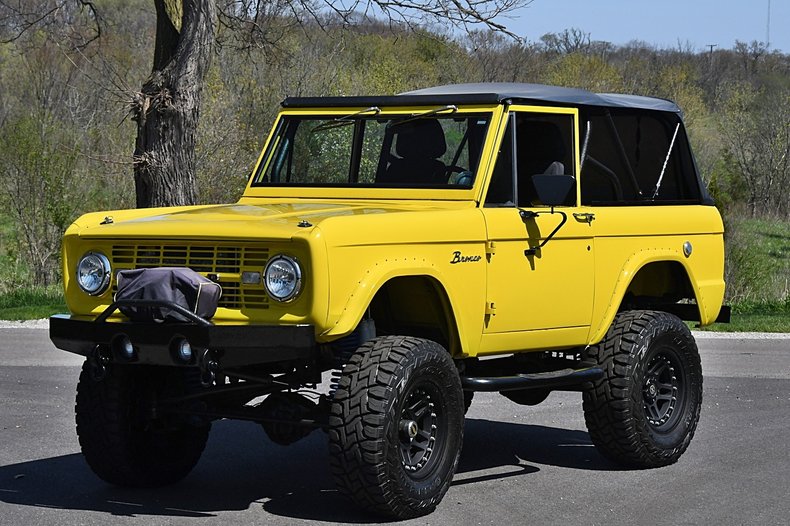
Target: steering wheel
[(464, 178)]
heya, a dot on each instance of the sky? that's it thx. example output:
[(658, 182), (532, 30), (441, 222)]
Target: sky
[(662, 23)]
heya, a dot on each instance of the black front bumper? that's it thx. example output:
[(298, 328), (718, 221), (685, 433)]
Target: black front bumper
[(155, 343)]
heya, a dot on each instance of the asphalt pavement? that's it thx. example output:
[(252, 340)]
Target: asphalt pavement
[(519, 465)]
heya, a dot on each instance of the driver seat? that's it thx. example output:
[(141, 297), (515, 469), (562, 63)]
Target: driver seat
[(418, 146)]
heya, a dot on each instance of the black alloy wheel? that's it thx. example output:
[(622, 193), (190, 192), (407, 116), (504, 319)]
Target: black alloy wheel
[(663, 391), (422, 431)]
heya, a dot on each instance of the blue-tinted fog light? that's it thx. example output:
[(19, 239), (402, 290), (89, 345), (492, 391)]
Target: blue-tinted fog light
[(183, 350)]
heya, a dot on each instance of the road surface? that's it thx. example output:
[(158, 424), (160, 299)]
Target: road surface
[(519, 464)]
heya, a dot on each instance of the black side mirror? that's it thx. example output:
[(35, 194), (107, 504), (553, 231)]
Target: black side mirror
[(553, 189)]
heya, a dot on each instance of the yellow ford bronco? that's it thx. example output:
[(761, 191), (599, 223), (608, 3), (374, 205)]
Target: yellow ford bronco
[(409, 251)]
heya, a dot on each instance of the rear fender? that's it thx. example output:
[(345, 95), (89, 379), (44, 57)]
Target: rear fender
[(708, 294)]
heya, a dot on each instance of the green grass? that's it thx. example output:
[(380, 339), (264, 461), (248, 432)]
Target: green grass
[(757, 275), (18, 299), (758, 261), (752, 323), (31, 303), (756, 317), (32, 313)]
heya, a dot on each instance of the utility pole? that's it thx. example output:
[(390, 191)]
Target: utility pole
[(710, 53), (768, 28)]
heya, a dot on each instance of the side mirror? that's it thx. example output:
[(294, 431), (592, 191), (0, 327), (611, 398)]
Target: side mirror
[(553, 189)]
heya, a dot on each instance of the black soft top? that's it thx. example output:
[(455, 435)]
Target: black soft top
[(491, 93)]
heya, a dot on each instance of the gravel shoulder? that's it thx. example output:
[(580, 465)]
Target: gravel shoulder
[(26, 324), (700, 335), (707, 335)]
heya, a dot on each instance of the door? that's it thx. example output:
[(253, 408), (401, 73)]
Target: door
[(534, 288)]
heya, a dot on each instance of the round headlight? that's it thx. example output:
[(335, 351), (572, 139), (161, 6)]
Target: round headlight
[(93, 273), (283, 278)]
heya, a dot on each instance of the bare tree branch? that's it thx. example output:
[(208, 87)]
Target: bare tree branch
[(20, 16), (258, 20)]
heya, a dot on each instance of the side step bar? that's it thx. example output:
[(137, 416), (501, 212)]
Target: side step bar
[(548, 380)]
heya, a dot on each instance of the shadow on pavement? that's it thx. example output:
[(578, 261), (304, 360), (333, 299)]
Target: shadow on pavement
[(491, 444), (242, 469)]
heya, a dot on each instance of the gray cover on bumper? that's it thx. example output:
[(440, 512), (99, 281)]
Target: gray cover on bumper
[(182, 286)]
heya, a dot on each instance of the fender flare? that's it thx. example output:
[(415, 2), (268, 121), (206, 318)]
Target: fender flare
[(629, 270), (374, 279)]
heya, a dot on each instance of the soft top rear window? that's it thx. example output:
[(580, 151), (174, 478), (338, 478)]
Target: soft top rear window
[(637, 157)]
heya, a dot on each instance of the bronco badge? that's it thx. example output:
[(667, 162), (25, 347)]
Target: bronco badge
[(458, 258)]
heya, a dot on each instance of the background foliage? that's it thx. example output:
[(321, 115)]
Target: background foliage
[(66, 142)]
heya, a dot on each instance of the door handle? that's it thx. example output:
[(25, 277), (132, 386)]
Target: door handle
[(584, 217)]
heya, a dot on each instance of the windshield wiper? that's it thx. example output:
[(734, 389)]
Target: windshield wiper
[(345, 119), (450, 108)]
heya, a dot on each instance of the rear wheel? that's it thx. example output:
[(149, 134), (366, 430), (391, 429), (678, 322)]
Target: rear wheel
[(396, 426), (645, 409), (122, 441)]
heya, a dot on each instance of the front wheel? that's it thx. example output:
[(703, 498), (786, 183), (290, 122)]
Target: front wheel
[(122, 441), (396, 426), (645, 409)]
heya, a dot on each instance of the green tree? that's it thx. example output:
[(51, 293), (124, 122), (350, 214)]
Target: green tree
[(38, 192), (755, 130), (584, 71), (167, 108)]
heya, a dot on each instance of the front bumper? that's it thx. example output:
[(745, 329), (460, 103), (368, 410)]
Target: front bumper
[(228, 346)]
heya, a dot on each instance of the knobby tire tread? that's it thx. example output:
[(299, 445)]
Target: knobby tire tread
[(103, 428), (609, 403), (358, 459)]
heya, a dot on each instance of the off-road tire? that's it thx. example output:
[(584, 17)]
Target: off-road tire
[(389, 383), (122, 444), (644, 411)]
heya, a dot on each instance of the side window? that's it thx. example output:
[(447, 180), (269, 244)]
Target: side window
[(636, 157), (500, 189), (544, 146)]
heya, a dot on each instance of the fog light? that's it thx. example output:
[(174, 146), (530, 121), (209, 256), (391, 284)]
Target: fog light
[(123, 348), (183, 350)]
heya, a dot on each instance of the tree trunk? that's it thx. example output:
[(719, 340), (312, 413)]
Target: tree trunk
[(168, 108)]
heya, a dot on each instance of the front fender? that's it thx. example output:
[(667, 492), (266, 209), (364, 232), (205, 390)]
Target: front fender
[(382, 272)]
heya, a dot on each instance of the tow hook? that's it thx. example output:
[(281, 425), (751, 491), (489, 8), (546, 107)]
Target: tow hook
[(208, 369), (98, 360)]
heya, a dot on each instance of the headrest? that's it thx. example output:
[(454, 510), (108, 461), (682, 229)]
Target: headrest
[(420, 139), (543, 140)]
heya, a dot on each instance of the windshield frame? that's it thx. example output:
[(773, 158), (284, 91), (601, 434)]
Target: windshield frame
[(492, 112)]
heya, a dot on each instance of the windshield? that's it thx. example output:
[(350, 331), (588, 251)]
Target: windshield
[(365, 149)]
